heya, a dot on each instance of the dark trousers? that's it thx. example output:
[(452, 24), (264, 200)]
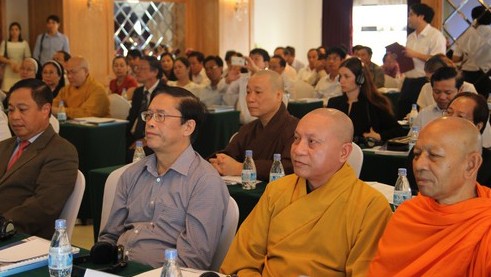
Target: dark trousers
[(409, 95), (480, 80)]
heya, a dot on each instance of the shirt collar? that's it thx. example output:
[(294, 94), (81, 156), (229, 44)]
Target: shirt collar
[(181, 165)]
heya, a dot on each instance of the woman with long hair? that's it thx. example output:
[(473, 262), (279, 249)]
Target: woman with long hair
[(52, 73), (369, 110), (12, 53), (167, 62)]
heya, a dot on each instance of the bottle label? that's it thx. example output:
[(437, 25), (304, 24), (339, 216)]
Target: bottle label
[(275, 176), (61, 116), (248, 179), (401, 196)]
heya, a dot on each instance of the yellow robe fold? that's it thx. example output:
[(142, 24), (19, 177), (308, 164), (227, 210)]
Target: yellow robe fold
[(332, 231)]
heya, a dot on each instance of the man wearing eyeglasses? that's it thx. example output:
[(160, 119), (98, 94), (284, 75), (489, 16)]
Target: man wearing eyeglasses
[(172, 198), (84, 96), (148, 72)]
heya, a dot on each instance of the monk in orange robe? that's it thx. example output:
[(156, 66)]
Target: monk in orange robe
[(446, 229)]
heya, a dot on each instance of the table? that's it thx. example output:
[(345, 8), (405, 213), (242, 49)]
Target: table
[(299, 109), (381, 168), (97, 146), (131, 269), (246, 199), (216, 132)]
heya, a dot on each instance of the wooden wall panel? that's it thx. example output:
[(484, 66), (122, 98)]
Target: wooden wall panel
[(437, 6), (91, 31), (38, 12), (201, 29)]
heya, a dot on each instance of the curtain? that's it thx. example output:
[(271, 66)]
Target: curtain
[(337, 26)]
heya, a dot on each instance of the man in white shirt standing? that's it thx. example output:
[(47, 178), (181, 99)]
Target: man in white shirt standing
[(48, 43), (421, 44), (469, 47)]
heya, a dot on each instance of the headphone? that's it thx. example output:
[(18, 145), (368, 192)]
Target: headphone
[(360, 79), (105, 253), (7, 228)]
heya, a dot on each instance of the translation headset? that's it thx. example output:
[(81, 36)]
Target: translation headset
[(7, 228), (104, 253), (360, 79)]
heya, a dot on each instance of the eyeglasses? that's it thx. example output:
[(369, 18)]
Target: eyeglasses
[(158, 116)]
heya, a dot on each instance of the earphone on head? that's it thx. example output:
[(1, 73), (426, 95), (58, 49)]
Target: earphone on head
[(360, 79), (7, 228)]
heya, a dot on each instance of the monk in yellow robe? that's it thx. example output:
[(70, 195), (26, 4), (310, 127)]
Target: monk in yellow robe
[(446, 229), (320, 221)]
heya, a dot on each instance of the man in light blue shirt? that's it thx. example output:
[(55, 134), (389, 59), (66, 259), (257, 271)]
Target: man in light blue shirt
[(48, 43)]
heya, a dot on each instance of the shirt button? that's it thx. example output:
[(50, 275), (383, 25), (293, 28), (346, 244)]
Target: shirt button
[(158, 180), (136, 231), (127, 252), (151, 202)]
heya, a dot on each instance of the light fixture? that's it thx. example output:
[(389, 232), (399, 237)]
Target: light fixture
[(241, 9)]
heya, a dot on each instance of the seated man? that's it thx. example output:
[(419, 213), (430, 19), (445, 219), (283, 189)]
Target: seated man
[(84, 96), (277, 64), (446, 229), (212, 93), (271, 133), (446, 83), (38, 168), (173, 198), (364, 53), (320, 221), (328, 86), (474, 108)]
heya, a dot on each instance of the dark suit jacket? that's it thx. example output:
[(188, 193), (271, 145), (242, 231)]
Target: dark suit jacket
[(134, 114), (34, 191)]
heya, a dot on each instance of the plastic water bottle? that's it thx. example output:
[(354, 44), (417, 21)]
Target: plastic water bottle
[(171, 268), (139, 152), (412, 115), (60, 258), (61, 115), (249, 172), (277, 170), (402, 190), (413, 137)]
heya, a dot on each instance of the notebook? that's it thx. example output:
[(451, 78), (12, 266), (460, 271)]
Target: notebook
[(24, 255)]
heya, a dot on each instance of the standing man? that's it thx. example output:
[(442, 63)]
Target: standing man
[(38, 168), (48, 43), (320, 221), (421, 44), (173, 198)]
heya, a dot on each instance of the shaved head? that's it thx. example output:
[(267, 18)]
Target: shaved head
[(338, 122), (447, 156)]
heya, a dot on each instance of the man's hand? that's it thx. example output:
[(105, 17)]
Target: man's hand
[(226, 165), (251, 65)]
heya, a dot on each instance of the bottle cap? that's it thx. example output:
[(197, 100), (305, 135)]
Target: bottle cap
[(414, 106), (60, 224), (402, 171), (170, 254), (248, 153), (277, 157), (139, 143), (415, 128), (62, 102)]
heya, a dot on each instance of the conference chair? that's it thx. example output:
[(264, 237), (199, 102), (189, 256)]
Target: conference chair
[(118, 106), (229, 228), (355, 159), (72, 205), (109, 191), (303, 90)]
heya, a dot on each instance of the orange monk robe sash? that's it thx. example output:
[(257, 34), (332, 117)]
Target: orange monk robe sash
[(424, 238)]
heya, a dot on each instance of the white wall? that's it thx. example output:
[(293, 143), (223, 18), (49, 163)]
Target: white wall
[(295, 23), (17, 11)]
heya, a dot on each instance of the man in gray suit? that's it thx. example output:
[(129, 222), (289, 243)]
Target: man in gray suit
[(38, 168)]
